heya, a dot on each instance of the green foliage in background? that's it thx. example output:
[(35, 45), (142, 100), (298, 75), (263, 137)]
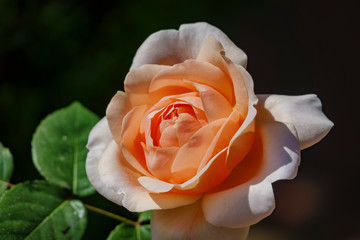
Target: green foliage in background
[(38, 210), (58, 148), (129, 232), (57, 207), (6, 167)]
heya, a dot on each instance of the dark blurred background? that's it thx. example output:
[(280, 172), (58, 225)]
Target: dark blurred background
[(54, 52)]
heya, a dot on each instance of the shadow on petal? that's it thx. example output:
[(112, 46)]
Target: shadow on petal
[(247, 193)]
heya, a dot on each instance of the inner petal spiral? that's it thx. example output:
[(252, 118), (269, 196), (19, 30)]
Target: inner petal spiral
[(174, 125)]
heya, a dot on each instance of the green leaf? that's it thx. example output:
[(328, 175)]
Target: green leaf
[(59, 148), (144, 216), (6, 167), (130, 232), (36, 210)]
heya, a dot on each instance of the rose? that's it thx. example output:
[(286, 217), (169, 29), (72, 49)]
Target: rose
[(190, 140)]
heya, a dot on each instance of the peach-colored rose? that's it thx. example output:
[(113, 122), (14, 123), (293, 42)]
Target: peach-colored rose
[(190, 140)]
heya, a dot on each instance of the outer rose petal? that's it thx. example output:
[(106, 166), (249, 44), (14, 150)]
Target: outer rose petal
[(189, 223), (115, 179), (246, 196), (304, 112), (169, 47), (118, 107), (99, 138)]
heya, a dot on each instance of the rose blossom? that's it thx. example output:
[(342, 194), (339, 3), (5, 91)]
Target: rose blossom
[(190, 140)]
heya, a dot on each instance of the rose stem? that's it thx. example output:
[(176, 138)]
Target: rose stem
[(111, 215)]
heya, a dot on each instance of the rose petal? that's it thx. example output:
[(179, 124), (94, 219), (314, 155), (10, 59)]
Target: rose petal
[(194, 101), (159, 162), (131, 132), (137, 83), (242, 83), (304, 112), (189, 223), (186, 125), (208, 177), (131, 142), (246, 195), (223, 137), (242, 140), (243, 88), (193, 71), (162, 89), (215, 105), (99, 138), (140, 166), (161, 130), (187, 160), (169, 47), (115, 179), (212, 51), (213, 169), (168, 137), (118, 107), (155, 185)]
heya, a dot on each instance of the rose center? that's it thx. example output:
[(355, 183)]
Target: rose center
[(174, 125)]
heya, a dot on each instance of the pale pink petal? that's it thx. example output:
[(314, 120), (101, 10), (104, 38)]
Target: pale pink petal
[(169, 47), (246, 196), (188, 222), (304, 112), (118, 107), (212, 51), (99, 138), (155, 185), (115, 179)]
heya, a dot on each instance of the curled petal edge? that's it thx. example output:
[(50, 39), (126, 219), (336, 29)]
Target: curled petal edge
[(169, 47), (246, 203), (304, 112)]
